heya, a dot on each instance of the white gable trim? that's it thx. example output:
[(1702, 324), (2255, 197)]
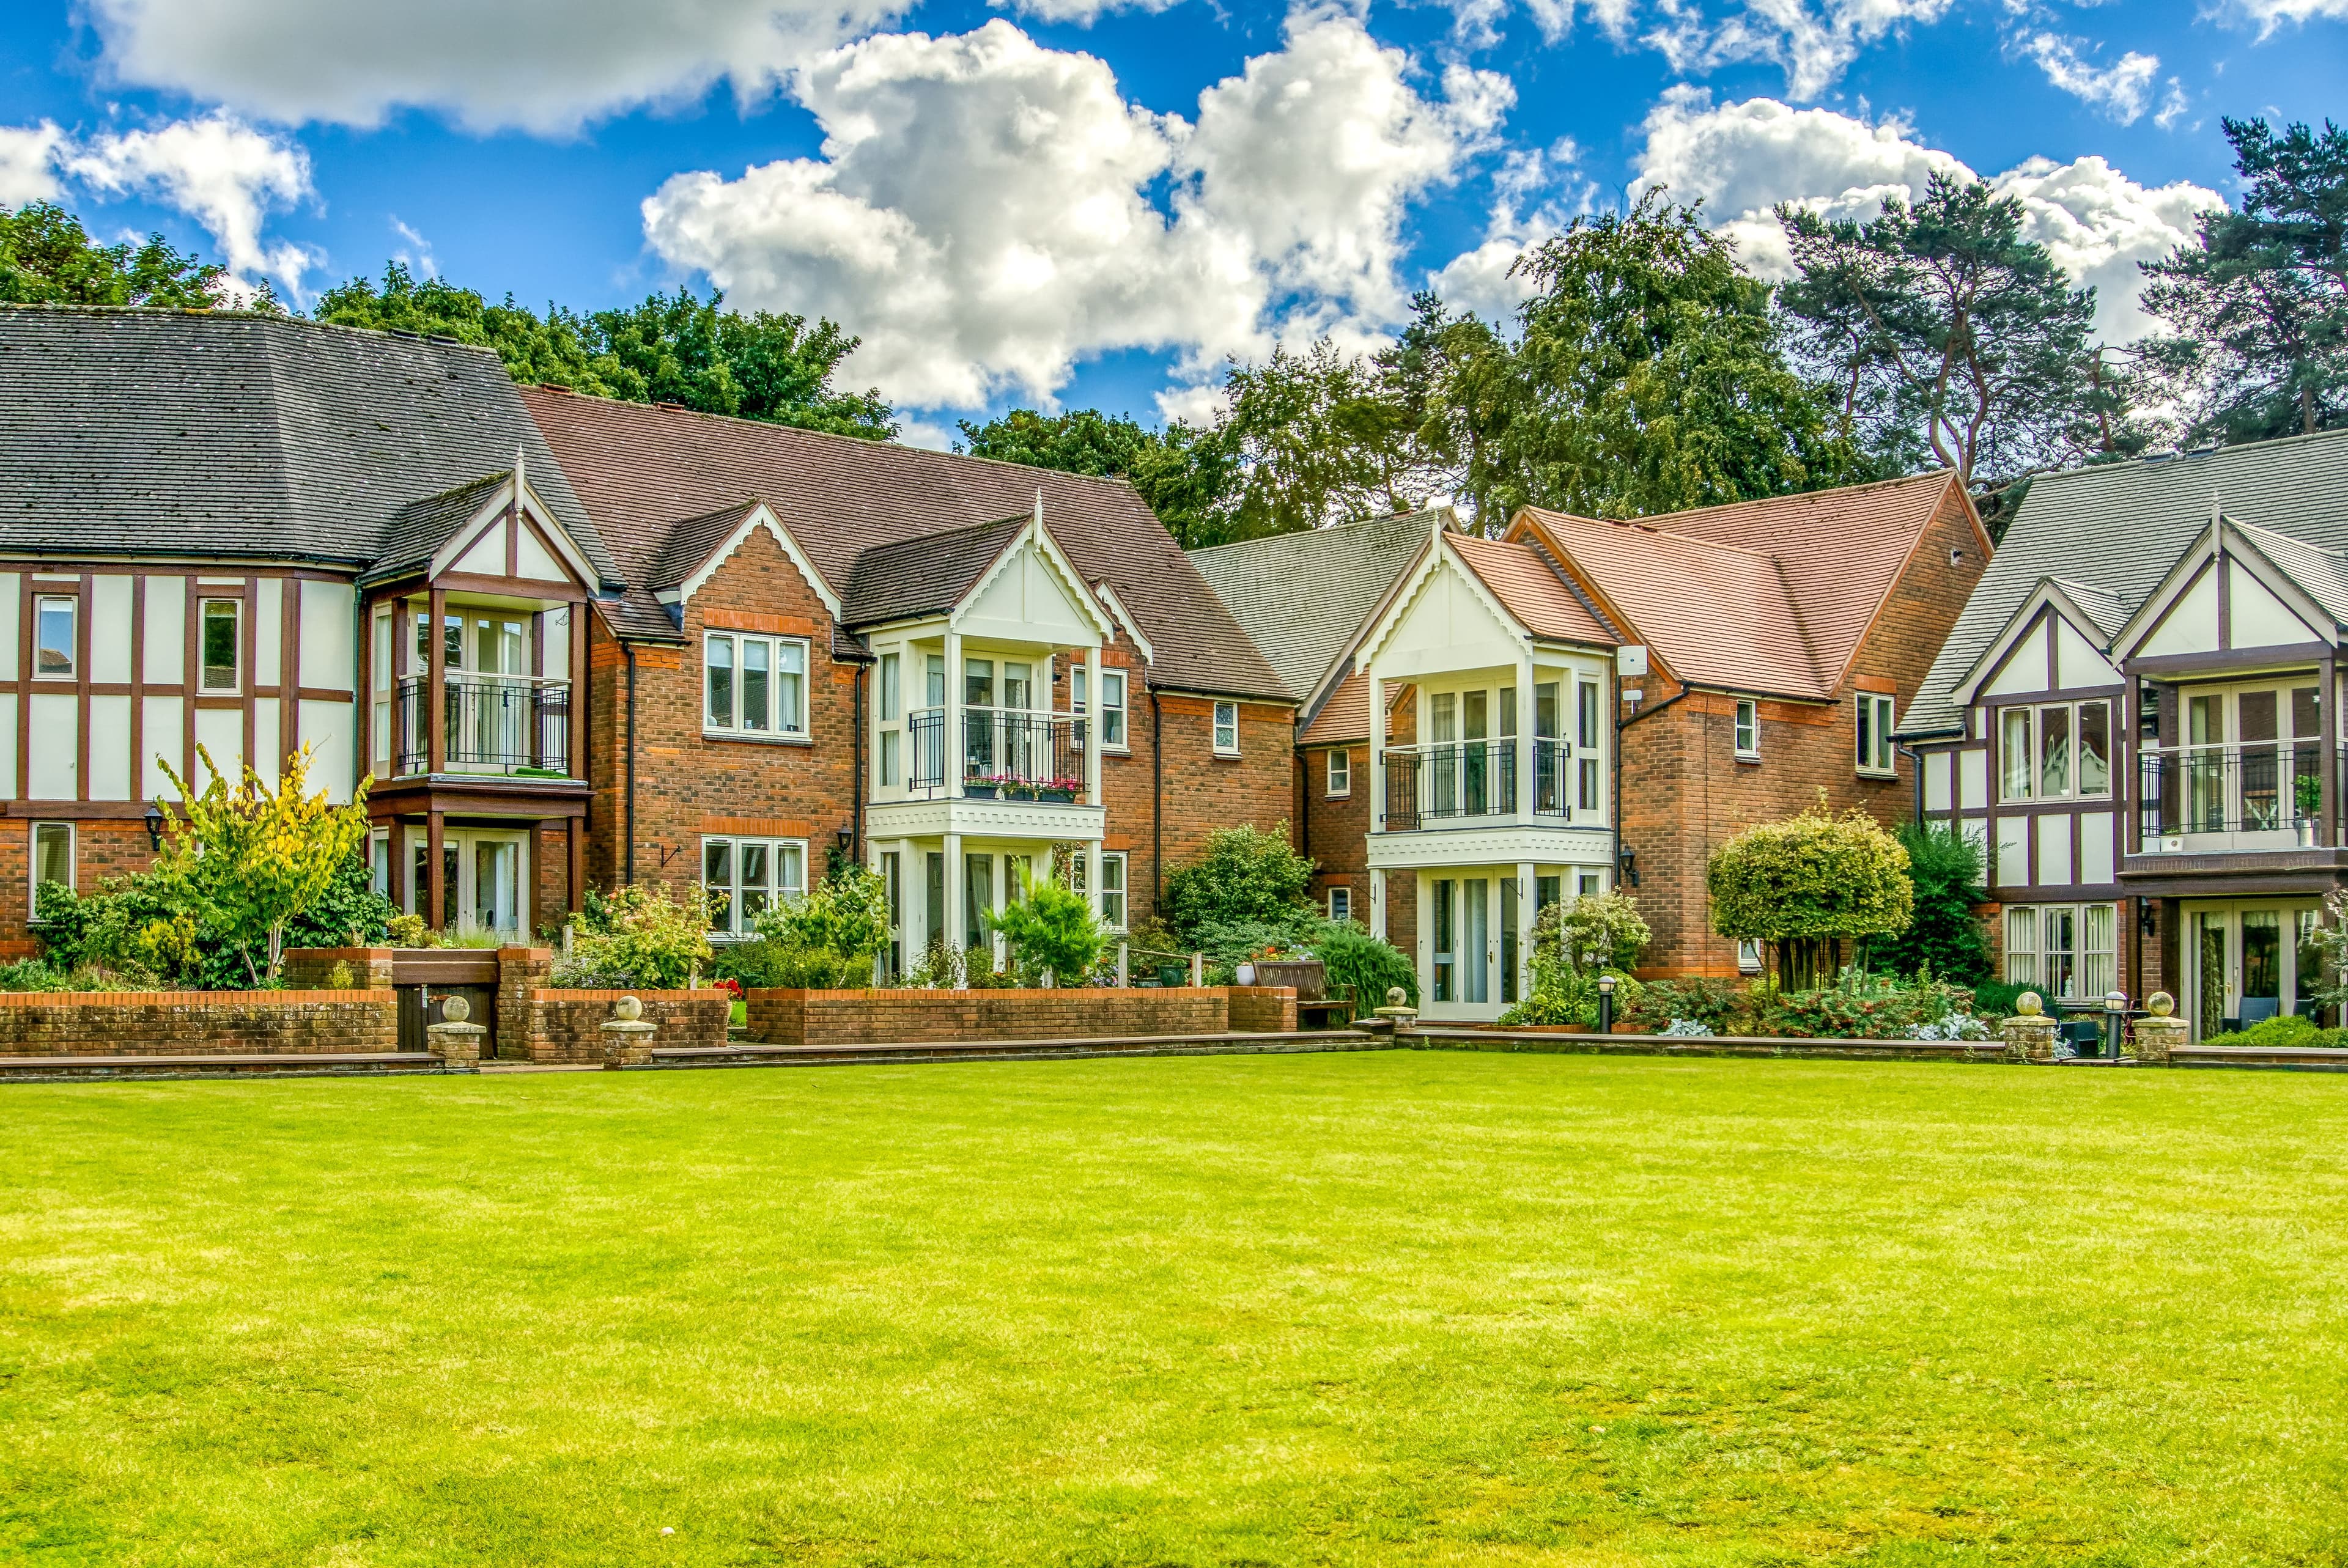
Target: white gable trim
[(1399, 610), (490, 513), (1072, 582), (761, 516), (1124, 619), (2047, 596), (2226, 540)]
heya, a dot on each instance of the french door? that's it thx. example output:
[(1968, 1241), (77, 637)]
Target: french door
[(483, 874), (2247, 961)]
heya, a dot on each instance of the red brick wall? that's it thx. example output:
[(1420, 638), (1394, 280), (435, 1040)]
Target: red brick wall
[(306, 968), (1684, 791), (568, 1026), (1262, 1009), (1336, 832), (892, 1017), (197, 1023), (1204, 791), (103, 848)]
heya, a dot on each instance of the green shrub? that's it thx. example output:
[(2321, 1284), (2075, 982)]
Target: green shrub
[(1244, 875), (1809, 881), (826, 938), (1369, 965), (636, 936), (1722, 1006), (1943, 935), (2288, 1030), (1052, 926), (1595, 931), (1996, 998)]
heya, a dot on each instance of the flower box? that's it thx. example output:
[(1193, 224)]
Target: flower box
[(1056, 797), (978, 791)]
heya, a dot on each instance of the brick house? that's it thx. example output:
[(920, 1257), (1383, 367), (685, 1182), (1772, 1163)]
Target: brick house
[(1706, 669), (2137, 718), (671, 646)]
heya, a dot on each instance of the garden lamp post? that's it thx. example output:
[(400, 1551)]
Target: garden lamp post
[(154, 820), (2114, 1015), (1606, 1004)]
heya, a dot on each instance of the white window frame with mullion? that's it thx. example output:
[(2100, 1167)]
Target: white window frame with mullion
[(1230, 748), (1878, 714), (783, 713), (40, 843), (735, 920), (1340, 773), (1745, 738), (68, 655), (1113, 699), (1340, 903), (888, 714), (1114, 886), (2042, 777), (2032, 956)]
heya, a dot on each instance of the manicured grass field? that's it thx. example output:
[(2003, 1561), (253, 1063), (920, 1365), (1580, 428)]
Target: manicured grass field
[(1400, 1308)]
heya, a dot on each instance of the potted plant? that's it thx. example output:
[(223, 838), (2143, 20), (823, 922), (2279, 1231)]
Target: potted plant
[(982, 787), (2307, 792), (1060, 791)]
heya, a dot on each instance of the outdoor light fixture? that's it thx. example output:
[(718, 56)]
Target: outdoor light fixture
[(847, 836), (2114, 1015), (154, 826), (1606, 1004), (1627, 861), (2148, 918)]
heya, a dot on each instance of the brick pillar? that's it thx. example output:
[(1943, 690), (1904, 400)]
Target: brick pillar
[(520, 970)]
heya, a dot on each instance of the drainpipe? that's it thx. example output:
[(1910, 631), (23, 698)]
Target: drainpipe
[(1156, 806), (1916, 769), (629, 877), (856, 786), (1621, 725)]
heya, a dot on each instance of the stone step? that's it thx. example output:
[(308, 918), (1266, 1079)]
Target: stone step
[(237, 1064)]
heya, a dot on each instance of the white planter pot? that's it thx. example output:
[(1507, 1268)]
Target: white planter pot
[(1244, 975)]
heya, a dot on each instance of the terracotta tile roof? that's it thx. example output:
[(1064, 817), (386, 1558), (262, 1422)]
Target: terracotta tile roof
[(1346, 716), (638, 466), (1773, 595), (1521, 577)]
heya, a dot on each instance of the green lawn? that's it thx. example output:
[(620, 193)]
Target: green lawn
[(1398, 1307)]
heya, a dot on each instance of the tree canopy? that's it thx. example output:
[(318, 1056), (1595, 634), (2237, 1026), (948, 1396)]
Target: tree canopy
[(1810, 879), (2257, 303), (47, 258)]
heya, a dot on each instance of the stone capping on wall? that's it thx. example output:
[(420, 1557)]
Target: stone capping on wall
[(911, 1016), (566, 1026), (187, 998)]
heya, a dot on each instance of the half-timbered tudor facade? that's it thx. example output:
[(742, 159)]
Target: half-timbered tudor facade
[(729, 654), (2137, 718)]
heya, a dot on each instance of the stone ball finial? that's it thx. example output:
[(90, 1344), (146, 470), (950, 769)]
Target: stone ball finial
[(2160, 1004), (1396, 995), (2029, 1004), (628, 1009), (454, 1008)]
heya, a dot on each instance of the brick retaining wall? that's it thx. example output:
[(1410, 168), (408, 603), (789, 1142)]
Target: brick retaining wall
[(196, 1023), (568, 1026), (920, 1017), (307, 968)]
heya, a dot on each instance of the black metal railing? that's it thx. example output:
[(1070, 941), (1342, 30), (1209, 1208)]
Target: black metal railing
[(2276, 787), (1004, 755), (491, 724), (1446, 782), (1553, 781)]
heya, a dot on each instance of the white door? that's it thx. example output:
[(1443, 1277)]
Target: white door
[(483, 873)]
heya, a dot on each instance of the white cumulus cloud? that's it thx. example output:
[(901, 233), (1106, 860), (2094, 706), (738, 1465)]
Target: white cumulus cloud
[(1534, 194), (540, 64), (221, 172), (2123, 89), (2269, 15), (1083, 13), (980, 209), (1742, 158), (28, 156)]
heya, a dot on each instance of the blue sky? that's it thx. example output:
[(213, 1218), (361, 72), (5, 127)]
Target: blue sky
[(1073, 202)]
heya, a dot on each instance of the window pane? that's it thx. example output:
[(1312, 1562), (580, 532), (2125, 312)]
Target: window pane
[(1227, 726), (1546, 717), (452, 641), (52, 852), (1015, 687), (1112, 708), (1444, 714), (889, 685), (757, 683), (1508, 711), (2305, 723), (2098, 973), (790, 688), (978, 682), (1077, 694), (1866, 731), (2013, 752), (717, 875), (889, 773), (789, 867), (2094, 748), (718, 661), (220, 644), (758, 886), (54, 654), (2053, 752), (1585, 717), (2022, 946), (935, 682), (2058, 929)]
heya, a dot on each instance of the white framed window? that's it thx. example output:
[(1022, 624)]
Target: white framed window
[(1340, 903), (1875, 756), (1112, 714), (753, 685), (221, 642), (53, 856), (1341, 773), (1112, 899), (886, 761), (748, 877), (1227, 729), (2055, 751), (1748, 957), (2069, 952), (56, 649), (888, 676), (1748, 729)]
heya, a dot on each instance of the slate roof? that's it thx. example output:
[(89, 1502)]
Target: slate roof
[(142, 432), (1304, 598), (418, 531), (2323, 573), (926, 575), (638, 466), (2117, 527)]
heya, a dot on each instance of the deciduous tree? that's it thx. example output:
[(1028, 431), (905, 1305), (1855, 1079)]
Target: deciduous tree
[(47, 258), (1808, 883)]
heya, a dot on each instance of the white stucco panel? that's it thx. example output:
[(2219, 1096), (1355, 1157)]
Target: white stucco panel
[(2256, 618), (9, 606), (1937, 771), (2055, 849), (2013, 852), (329, 661), (2024, 669), (266, 751), (1027, 600), (2098, 836), (163, 738), (110, 773), (109, 633), (8, 744), (2191, 624), (167, 630), (331, 730), (2076, 662), (486, 555), (268, 631), (532, 560), (1972, 780), (219, 733), (55, 748)]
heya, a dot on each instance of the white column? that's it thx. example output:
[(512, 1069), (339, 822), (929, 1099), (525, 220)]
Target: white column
[(1377, 754), (1093, 751), (1093, 875), (953, 911), (1528, 885), (1378, 903), (1525, 749), (953, 767)]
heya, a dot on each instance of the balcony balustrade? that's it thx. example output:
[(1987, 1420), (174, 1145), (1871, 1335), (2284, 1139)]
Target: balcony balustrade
[(1006, 755), (2264, 795), (493, 724)]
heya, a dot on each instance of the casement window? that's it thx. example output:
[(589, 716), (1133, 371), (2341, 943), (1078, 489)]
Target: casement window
[(53, 856), (1748, 730), (1748, 957), (1340, 903), (2068, 952), (221, 639), (1874, 720), (55, 646), (1587, 769), (887, 678), (892, 885), (753, 685), (1341, 773), (1112, 898), (747, 876), (2056, 750), (889, 707), (1112, 713), (1586, 884), (1227, 729)]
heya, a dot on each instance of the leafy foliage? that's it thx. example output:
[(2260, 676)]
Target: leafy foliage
[(636, 935), (1952, 339), (1943, 935), (1812, 879), (1082, 441), (1575, 942), (1858, 1006), (670, 348), (2257, 303), (1051, 926), (47, 258), (1369, 965), (2289, 1032), (1243, 874)]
